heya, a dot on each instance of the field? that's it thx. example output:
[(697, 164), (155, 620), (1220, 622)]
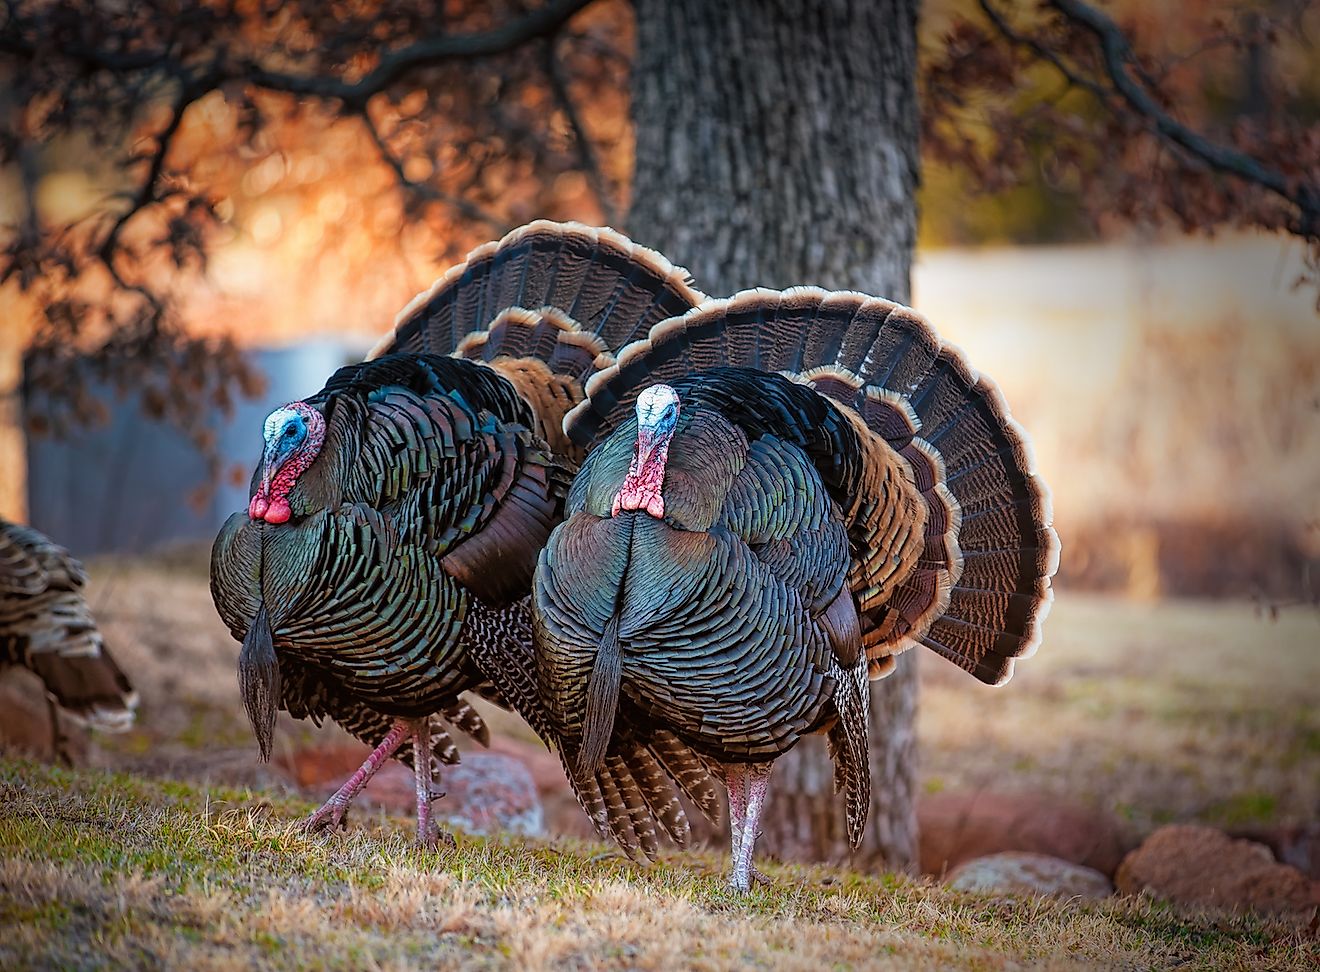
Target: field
[(179, 850)]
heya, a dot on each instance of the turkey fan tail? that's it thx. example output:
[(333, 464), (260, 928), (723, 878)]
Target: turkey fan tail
[(981, 586), (545, 305), (611, 287), (788, 331), (974, 583)]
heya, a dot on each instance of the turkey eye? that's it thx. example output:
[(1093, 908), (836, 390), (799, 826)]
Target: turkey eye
[(290, 430)]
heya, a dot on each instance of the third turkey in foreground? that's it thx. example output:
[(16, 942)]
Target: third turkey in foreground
[(788, 489)]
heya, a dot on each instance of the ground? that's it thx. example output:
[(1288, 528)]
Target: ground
[(1155, 712), (110, 870)]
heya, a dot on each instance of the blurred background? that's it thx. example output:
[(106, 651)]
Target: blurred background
[(1153, 326)]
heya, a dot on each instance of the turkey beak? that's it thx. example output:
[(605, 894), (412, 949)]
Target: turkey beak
[(260, 501), (646, 442), (271, 460)]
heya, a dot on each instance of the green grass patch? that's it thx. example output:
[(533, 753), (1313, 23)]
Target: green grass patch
[(109, 870)]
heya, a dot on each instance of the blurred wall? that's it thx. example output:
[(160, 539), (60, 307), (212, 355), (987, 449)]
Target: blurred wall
[(131, 485)]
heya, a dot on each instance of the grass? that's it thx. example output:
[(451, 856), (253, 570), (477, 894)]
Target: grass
[(1156, 712), (108, 870), (181, 850)]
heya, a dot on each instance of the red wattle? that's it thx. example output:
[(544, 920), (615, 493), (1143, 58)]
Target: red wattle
[(257, 507), (278, 511), (642, 488)]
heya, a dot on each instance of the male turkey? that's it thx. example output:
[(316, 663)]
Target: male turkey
[(789, 489), (45, 626), (383, 564)]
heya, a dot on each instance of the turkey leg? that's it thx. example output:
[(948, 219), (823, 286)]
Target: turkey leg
[(332, 813), (748, 784), (428, 834), (735, 779), (57, 738)]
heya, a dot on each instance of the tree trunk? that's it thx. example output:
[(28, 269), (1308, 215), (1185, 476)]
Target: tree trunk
[(776, 144)]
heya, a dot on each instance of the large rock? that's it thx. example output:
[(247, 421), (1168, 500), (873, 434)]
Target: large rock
[(25, 721), (563, 815), (1194, 865), (959, 826), (1297, 845), (490, 792), (1033, 874)]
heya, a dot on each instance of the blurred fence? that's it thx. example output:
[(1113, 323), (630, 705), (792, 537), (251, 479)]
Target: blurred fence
[(130, 485)]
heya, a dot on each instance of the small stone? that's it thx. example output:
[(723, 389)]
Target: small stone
[(1021, 873), (25, 721), (1201, 866), (488, 793)]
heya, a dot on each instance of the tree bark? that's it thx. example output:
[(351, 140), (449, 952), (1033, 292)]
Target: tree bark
[(776, 144)]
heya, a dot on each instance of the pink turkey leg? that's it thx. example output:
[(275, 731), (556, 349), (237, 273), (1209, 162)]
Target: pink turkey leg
[(428, 835), (757, 781), (332, 812)]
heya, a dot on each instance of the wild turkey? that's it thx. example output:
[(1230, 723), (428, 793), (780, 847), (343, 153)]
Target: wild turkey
[(45, 626), (789, 489), (383, 564)]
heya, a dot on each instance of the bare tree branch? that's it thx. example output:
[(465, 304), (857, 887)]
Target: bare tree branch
[(1118, 55), (586, 151), (146, 192), (1043, 52), (541, 22), (424, 190)]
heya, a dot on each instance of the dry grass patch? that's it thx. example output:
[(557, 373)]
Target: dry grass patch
[(1186, 711), (103, 870)]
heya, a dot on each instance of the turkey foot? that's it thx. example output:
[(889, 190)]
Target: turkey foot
[(429, 835), (331, 814), (747, 784)]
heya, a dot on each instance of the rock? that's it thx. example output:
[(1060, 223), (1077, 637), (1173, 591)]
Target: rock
[(1194, 865), (1034, 874), (25, 721), (317, 767), (544, 765), (563, 814), (1297, 845), (490, 792), (958, 826)]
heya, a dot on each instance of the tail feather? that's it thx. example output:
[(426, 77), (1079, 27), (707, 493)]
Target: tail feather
[(975, 585), (612, 287), (635, 786), (548, 335), (543, 307), (46, 626), (90, 687)]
